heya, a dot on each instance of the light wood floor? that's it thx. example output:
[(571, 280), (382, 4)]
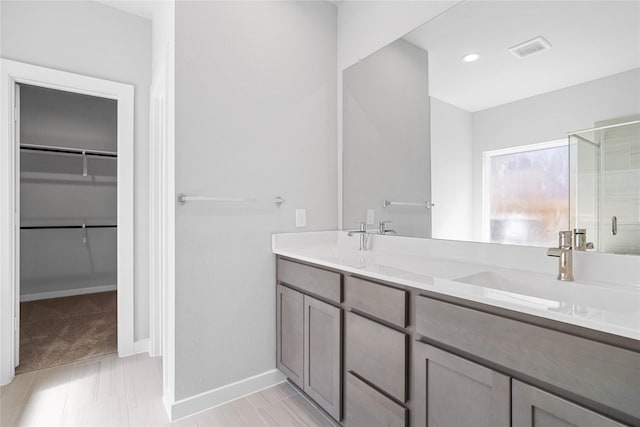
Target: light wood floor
[(112, 391)]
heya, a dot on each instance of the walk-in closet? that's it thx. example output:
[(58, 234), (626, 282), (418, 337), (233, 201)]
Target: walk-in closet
[(68, 226)]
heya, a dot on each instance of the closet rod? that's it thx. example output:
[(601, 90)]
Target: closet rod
[(43, 227), (79, 151)]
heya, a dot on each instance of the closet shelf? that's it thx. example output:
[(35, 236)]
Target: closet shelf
[(66, 150), (47, 227)]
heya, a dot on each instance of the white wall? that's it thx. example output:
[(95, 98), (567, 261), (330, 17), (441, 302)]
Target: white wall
[(255, 117), (88, 38), (386, 121), (451, 148), (549, 117)]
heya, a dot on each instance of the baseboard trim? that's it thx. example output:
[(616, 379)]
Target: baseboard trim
[(67, 293), (209, 399), (141, 346)]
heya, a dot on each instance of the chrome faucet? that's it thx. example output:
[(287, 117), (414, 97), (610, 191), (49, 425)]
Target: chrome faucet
[(569, 241), (564, 253), (382, 228), (363, 235)]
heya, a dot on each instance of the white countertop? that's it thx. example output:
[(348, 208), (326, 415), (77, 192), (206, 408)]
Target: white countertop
[(607, 307)]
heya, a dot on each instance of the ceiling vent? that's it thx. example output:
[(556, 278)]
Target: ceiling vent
[(530, 47)]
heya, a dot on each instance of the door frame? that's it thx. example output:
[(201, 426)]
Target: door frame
[(157, 211), (12, 72)]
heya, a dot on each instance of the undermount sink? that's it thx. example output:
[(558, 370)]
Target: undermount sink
[(548, 289)]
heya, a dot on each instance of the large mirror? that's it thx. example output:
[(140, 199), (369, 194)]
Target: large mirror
[(500, 122)]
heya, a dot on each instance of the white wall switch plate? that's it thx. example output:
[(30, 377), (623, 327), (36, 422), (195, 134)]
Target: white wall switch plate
[(301, 217), (370, 216)]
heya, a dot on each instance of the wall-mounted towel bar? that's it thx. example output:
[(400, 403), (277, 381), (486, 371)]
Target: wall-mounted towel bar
[(66, 150), (427, 205), (55, 227), (183, 198)]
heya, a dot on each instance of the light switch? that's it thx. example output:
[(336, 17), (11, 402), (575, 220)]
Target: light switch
[(301, 217), (370, 216)]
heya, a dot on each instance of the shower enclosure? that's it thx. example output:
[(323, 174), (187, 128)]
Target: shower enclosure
[(605, 162)]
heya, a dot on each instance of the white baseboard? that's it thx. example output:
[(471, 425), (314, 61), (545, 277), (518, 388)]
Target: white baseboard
[(68, 293), (141, 346), (203, 401)]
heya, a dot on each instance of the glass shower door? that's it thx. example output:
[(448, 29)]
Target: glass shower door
[(606, 194)]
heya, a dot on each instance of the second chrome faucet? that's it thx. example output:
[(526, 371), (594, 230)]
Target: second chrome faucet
[(364, 234), (569, 241)]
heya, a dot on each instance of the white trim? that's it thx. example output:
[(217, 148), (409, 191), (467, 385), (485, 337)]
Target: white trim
[(68, 293), (12, 72), (141, 346), (209, 399), (157, 190)]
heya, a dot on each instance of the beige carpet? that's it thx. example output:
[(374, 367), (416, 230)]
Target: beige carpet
[(63, 330)]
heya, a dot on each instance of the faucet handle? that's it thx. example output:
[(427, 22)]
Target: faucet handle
[(382, 226), (363, 225), (565, 239), (580, 240)]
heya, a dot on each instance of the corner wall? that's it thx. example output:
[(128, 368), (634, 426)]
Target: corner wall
[(255, 117)]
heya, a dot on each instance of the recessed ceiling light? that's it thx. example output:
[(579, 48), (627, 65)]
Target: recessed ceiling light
[(470, 57)]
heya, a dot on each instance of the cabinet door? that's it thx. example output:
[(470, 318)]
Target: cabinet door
[(290, 333), (457, 392), (322, 367), (533, 407)]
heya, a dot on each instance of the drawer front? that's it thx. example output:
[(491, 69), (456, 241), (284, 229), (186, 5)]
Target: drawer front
[(378, 354), (602, 373), (326, 284), (366, 407), (381, 301)]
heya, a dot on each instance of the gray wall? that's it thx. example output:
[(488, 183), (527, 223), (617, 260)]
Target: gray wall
[(54, 192), (255, 117), (386, 138), (88, 38)]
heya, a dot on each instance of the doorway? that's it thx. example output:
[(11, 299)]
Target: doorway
[(69, 249), (67, 144)]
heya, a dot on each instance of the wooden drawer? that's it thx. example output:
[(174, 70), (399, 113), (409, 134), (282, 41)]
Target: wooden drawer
[(316, 281), (378, 354), (366, 407), (378, 300), (599, 372)]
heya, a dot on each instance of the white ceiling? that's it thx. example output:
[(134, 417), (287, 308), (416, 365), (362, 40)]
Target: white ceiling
[(590, 40)]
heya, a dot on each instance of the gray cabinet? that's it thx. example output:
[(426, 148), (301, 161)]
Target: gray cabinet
[(452, 391), (532, 407), (308, 351), (378, 354), (290, 333), (322, 367), (367, 407), (382, 301)]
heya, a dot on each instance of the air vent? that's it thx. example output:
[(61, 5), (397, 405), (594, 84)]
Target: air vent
[(530, 47)]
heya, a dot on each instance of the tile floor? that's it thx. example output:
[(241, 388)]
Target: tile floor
[(112, 391)]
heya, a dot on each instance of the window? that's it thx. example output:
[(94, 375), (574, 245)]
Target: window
[(526, 194)]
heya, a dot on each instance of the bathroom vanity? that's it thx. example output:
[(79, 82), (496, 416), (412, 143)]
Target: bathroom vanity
[(388, 338)]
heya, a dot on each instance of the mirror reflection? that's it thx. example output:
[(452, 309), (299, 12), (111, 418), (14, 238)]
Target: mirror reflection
[(468, 128)]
